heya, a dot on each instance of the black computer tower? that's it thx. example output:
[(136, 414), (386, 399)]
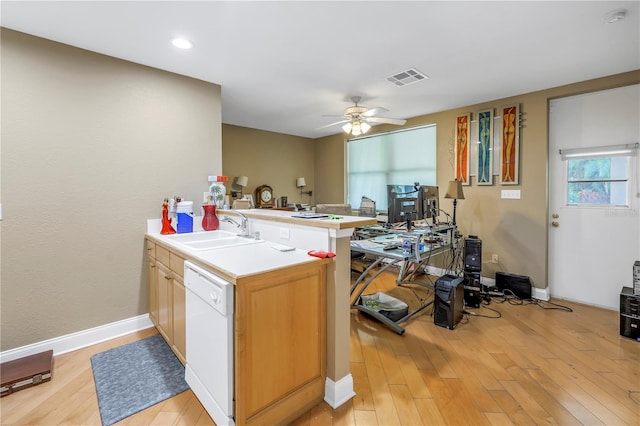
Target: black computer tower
[(448, 302), (472, 254), (472, 267), (472, 289), (629, 314)]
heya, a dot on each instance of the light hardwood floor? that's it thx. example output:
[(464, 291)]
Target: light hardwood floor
[(530, 366)]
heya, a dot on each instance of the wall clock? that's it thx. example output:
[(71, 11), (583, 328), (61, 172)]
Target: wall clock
[(264, 196)]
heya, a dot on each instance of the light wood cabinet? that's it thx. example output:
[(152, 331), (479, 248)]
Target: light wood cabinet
[(153, 290), (179, 342), (280, 360), (280, 334), (167, 297), (165, 301), (152, 278)]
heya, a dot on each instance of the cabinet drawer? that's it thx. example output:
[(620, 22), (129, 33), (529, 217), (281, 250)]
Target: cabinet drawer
[(151, 248), (162, 254), (176, 263)]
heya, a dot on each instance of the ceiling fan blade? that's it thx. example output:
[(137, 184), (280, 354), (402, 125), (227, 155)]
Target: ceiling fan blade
[(385, 120), (374, 111), (333, 124)]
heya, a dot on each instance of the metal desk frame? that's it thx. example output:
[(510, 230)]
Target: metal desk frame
[(418, 258)]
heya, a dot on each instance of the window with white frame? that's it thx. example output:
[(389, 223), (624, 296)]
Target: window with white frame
[(599, 176), (395, 158)]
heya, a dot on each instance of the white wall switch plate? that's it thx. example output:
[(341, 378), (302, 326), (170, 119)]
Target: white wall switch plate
[(512, 194)]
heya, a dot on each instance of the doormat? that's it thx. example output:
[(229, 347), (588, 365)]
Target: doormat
[(136, 376)]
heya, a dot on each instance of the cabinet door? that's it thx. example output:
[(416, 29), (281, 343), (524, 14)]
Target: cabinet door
[(152, 276), (179, 320), (280, 344), (165, 301)]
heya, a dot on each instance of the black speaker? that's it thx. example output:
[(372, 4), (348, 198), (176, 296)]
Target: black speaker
[(520, 285), (472, 254), (448, 301)]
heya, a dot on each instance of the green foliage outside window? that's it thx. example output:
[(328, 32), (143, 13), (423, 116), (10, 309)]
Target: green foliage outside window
[(588, 181), (597, 181)]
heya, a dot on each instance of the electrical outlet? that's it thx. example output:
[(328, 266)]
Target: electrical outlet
[(284, 233), (494, 258)]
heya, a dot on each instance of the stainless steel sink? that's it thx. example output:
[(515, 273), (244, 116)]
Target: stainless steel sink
[(209, 240)]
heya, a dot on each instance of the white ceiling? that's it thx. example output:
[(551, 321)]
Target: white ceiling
[(283, 65)]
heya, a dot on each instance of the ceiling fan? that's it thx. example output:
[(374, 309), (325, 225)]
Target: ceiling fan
[(357, 118)]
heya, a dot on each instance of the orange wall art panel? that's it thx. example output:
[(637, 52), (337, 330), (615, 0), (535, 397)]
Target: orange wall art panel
[(510, 145), (462, 151)]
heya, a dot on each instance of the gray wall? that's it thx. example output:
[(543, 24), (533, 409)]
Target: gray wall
[(90, 147)]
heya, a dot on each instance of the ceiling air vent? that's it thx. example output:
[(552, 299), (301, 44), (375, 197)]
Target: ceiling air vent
[(404, 78)]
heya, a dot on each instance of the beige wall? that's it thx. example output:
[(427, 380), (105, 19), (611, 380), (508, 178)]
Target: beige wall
[(90, 147), (269, 158), (516, 230)]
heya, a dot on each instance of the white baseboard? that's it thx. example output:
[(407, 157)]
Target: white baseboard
[(337, 393), (80, 339)]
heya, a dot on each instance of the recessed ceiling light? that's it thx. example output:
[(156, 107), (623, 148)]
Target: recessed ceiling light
[(615, 16), (181, 43)]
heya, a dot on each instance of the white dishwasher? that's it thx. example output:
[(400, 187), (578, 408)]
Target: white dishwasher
[(209, 330)]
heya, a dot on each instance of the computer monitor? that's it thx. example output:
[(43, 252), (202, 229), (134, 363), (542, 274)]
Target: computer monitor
[(413, 202), (402, 202), (429, 200)]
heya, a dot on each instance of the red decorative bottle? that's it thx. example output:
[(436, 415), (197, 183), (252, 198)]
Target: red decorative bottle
[(210, 221)]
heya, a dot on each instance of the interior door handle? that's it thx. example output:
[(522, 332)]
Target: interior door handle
[(555, 224)]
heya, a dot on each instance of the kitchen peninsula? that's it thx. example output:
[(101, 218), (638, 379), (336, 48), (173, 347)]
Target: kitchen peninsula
[(255, 267), (321, 234)]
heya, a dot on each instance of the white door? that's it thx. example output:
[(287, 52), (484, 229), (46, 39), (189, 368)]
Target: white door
[(592, 246)]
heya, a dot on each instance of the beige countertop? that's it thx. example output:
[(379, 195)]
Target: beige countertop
[(241, 261), (345, 222), (233, 263)]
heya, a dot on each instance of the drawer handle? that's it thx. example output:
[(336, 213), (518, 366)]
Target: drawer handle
[(167, 277)]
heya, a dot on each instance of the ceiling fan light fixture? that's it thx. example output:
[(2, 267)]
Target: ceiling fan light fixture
[(356, 129), (356, 119)]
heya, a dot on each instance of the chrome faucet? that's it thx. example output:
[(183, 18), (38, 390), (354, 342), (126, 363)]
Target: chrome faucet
[(242, 224)]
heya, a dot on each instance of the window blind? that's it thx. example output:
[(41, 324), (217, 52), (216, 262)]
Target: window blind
[(395, 158)]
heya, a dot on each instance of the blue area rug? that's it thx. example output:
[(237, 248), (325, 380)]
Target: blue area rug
[(136, 376)]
